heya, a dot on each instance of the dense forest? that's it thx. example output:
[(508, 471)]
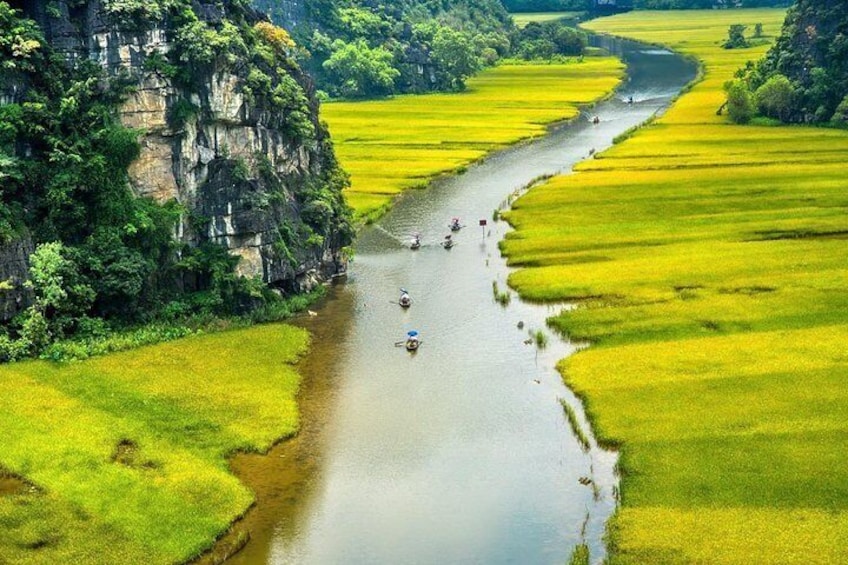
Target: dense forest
[(357, 48), (804, 76), (99, 254), (366, 48)]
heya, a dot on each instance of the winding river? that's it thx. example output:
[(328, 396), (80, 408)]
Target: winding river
[(459, 453)]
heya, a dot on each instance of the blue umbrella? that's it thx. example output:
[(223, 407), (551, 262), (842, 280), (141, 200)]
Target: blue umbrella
[(412, 333)]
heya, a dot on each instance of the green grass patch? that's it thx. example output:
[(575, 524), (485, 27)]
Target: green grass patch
[(401, 143), (708, 260), (128, 452)]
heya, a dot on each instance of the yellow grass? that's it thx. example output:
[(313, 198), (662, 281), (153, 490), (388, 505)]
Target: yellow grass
[(389, 146), (709, 260), (182, 408)]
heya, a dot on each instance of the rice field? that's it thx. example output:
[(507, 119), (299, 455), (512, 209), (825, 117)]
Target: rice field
[(709, 263), (521, 20), (125, 456), (396, 144)]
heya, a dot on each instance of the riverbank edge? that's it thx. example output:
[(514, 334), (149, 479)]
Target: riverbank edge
[(591, 417), (230, 542), (613, 528)]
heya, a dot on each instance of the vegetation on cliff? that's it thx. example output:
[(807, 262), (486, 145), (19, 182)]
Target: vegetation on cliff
[(105, 256), (804, 76), (360, 48), (708, 263)]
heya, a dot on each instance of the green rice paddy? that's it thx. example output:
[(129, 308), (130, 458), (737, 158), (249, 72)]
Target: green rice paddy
[(709, 261), (126, 455), (392, 145)]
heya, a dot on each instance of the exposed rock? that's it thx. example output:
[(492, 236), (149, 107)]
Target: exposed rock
[(14, 270)]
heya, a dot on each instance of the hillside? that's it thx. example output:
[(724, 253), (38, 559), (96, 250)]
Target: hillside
[(812, 52), (364, 48), (171, 156)]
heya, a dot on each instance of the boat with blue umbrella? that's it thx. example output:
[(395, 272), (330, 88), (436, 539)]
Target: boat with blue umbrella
[(412, 341)]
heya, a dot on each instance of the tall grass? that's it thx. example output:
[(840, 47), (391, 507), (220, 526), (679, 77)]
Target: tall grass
[(576, 428), (708, 260)]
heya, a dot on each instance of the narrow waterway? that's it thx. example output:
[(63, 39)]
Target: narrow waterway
[(459, 453)]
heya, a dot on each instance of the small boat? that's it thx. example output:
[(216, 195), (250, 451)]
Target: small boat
[(448, 242), (416, 242), (412, 342), (455, 224), (596, 120), (405, 300)]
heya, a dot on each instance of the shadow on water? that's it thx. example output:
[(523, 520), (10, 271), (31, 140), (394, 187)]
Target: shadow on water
[(460, 453)]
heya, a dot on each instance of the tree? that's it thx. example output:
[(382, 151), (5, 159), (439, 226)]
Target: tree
[(776, 98), (455, 57), (736, 37), (740, 102), (361, 70)]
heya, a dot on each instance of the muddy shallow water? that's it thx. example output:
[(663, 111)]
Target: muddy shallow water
[(459, 453)]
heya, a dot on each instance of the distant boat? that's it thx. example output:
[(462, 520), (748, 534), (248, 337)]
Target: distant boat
[(416, 242), (405, 300), (455, 224), (448, 242)]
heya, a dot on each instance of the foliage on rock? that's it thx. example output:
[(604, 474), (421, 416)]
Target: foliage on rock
[(105, 254), (361, 48), (804, 76)]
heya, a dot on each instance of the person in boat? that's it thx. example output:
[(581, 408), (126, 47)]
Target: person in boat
[(412, 341), (596, 120), (455, 224), (448, 242), (630, 100), (405, 300), (416, 241)]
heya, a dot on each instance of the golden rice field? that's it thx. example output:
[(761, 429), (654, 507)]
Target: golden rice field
[(523, 19), (392, 145), (126, 455), (709, 261)]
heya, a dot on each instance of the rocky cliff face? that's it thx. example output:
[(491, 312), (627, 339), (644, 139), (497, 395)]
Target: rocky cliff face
[(218, 147)]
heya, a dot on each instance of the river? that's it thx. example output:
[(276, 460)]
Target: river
[(459, 453)]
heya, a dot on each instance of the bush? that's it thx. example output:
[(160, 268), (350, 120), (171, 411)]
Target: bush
[(740, 102), (736, 37), (776, 98)]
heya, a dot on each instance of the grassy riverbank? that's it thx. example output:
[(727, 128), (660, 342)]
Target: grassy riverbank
[(126, 455), (709, 260), (392, 145)]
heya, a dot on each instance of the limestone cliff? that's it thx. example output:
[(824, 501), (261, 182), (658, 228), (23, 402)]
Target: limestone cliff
[(229, 127)]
